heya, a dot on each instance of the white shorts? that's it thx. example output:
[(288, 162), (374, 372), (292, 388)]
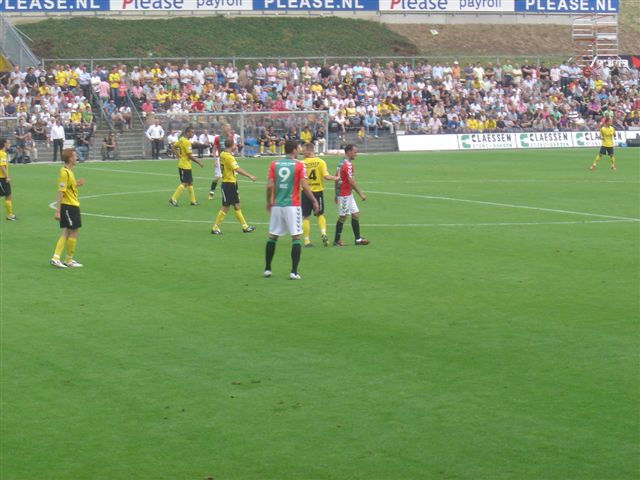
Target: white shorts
[(285, 220), (217, 171), (347, 206)]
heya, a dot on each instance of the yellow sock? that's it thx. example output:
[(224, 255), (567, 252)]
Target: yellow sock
[(306, 230), (322, 223), (71, 248), (177, 193), (192, 194), (240, 218), (59, 247), (8, 206), (612, 159), (272, 148), (219, 219), (597, 160), (261, 148)]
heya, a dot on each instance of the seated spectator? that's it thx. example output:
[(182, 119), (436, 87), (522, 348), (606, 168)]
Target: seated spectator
[(109, 146)]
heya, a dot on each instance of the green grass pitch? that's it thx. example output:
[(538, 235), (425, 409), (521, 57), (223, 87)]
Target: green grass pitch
[(490, 330)]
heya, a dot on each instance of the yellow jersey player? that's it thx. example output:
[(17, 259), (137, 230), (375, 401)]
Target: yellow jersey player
[(607, 132), (183, 152), (67, 211), (5, 181), (317, 173), (230, 169)]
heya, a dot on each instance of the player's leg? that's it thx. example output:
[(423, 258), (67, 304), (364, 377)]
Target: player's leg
[(192, 194), (215, 230), (601, 152), (62, 240), (214, 185), (70, 245), (5, 191), (612, 159), (270, 251), (307, 208), (296, 252), (355, 222), (322, 220), (181, 188)]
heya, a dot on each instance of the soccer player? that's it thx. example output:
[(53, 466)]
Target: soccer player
[(317, 172), (230, 169), (182, 150), (607, 132), (67, 211), (286, 178), (344, 197), (5, 181), (219, 145)]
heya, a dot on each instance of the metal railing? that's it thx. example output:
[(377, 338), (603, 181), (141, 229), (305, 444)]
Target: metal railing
[(13, 46), (314, 60)]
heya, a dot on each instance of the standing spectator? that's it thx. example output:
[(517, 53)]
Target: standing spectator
[(346, 203), (67, 212), (57, 137), (5, 181), (155, 133), (20, 134), (286, 179)]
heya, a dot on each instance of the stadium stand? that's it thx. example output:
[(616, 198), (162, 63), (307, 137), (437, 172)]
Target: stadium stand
[(394, 97)]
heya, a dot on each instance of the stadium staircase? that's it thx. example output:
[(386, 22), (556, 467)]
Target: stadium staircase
[(386, 142), (131, 142), (594, 36)]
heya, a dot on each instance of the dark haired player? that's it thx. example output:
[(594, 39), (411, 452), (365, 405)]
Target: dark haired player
[(183, 152), (286, 179), (5, 181), (344, 197), (317, 173)]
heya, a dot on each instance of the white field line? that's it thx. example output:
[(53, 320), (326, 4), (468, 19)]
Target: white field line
[(506, 205), (611, 219)]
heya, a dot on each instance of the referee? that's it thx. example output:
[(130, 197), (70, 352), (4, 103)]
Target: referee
[(155, 133)]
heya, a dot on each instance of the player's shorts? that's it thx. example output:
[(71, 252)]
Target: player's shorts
[(5, 187), (606, 151), (307, 206), (285, 221), (186, 176), (347, 206), (230, 194), (217, 171), (70, 217)]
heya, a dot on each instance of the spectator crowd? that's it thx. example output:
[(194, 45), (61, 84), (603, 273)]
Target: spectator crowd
[(367, 97)]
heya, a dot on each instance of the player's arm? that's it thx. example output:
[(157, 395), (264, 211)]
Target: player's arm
[(194, 159), (307, 191), (354, 185), (56, 215), (245, 174), (270, 190), (5, 174), (332, 177)]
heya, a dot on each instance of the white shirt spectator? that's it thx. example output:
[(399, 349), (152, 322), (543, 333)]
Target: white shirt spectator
[(57, 132), (155, 132)]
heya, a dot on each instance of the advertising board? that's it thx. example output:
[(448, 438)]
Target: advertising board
[(44, 6)]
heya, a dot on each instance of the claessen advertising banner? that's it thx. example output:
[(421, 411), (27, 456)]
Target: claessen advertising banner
[(383, 6), (495, 141)]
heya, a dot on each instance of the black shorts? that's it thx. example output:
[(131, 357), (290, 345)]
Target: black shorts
[(186, 176), (230, 194), (70, 217), (606, 151), (5, 188), (307, 206)]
